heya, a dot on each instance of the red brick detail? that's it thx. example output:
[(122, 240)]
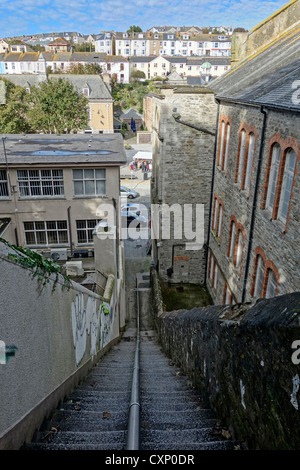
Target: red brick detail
[(268, 265), (211, 275), (249, 129), (239, 228), (224, 293), (284, 144), (182, 258), (221, 158), (219, 203)]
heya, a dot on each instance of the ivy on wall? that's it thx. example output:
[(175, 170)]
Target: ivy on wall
[(41, 267)]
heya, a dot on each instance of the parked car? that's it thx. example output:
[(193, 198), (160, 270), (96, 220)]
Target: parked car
[(133, 219), (131, 207), (130, 193)]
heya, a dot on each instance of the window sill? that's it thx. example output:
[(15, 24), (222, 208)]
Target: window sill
[(35, 198), (100, 196), (43, 247), (277, 224)]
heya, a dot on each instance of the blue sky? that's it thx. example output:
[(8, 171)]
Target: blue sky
[(19, 17)]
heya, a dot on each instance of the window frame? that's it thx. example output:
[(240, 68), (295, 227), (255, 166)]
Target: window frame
[(4, 185), (94, 179), (88, 230), (46, 232), (40, 180)]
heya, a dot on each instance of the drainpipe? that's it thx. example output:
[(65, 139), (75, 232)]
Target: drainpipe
[(212, 187), (12, 192), (70, 231), (265, 113)]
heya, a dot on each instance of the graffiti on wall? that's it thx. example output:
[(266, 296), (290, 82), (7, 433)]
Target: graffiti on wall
[(107, 316), (85, 324)]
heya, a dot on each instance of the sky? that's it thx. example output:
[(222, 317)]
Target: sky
[(27, 17)]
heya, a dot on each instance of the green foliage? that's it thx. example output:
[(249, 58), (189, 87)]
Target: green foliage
[(56, 107), (13, 118), (38, 48), (134, 29), (84, 47), (137, 74), (42, 268), (131, 95), (80, 69)]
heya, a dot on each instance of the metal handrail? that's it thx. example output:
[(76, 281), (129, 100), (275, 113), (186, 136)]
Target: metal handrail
[(133, 435)]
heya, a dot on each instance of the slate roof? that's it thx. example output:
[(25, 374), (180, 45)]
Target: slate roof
[(97, 87), (195, 81), (114, 58), (266, 77), (212, 60), (32, 149), (25, 80), (130, 113), (142, 58)]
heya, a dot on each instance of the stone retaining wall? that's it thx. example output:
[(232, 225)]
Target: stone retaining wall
[(242, 360)]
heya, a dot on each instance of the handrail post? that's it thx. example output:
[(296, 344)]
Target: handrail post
[(133, 435)]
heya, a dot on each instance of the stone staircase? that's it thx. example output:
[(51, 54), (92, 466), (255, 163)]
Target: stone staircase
[(95, 416), (172, 414)]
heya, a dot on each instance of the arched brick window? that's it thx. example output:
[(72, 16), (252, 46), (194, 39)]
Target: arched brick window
[(265, 277), (245, 158), (249, 163), (213, 271), (224, 141), (237, 237), (239, 248), (224, 162), (217, 216), (274, 169), (285, 186), (280, 177), (259, 279), (232, 235), (241, 156)]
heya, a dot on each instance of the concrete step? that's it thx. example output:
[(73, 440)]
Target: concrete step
[(95, 416)]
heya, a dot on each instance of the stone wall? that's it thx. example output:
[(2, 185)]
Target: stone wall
[(182, 173), (278, 241), (246, 44), (143, 137), (243, 361)]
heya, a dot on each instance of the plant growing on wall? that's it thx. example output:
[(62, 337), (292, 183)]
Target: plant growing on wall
[(42, 268)]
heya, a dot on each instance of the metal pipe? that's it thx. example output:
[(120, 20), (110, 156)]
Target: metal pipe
[(212, 188), (259, 163), (70, 230), (133, 435)]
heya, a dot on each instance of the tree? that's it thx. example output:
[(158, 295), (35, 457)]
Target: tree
[(136, 75), (38, 48), (239, 30), (84, 47), (80, 69), (13, 118), (56, 107), (134, 29)]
